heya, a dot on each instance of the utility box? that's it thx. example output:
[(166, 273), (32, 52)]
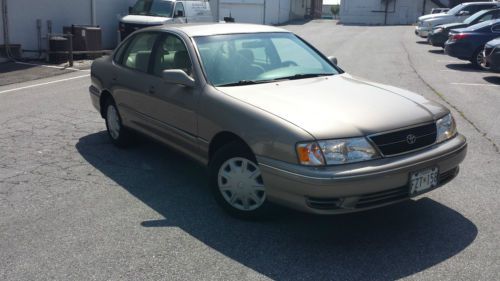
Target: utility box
[(85, 38)]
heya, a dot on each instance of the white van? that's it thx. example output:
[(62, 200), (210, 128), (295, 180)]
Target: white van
[(147, 13)]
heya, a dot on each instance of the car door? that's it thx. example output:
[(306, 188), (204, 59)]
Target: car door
[(179, 13), (132, 79), (174, 106)]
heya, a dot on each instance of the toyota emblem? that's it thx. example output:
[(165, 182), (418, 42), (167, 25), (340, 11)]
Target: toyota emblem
[(411, 139)]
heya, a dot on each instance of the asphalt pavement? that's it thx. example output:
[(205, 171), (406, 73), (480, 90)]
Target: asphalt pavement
[(73, 207)]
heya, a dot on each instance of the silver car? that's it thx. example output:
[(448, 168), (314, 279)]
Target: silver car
[(274, 120)]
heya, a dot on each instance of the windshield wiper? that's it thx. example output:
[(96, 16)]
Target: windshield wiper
[(303, 76), (245, 82)]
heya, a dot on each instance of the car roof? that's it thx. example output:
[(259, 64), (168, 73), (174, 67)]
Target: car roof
[(480, 3), (195, 30)]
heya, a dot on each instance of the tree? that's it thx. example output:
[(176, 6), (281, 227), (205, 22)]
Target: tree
[(335, 10)]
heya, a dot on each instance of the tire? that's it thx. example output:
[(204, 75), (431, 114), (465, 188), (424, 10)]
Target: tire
[(118, 134), (477, 59), (237, 184)]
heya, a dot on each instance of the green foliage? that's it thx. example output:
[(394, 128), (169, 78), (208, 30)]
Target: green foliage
[(335, 9)]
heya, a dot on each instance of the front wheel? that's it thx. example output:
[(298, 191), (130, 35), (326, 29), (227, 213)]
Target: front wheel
[(479, 60), (237, 183)]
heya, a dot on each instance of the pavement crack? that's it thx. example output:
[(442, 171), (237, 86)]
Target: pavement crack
[(443, 98)]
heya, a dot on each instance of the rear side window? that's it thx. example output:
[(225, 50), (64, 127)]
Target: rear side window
[(139, 51)]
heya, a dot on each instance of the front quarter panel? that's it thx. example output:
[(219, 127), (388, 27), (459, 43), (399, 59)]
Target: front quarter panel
[(265, 133)]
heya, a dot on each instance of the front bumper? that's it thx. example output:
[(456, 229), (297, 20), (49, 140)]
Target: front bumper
[(438, 39), (422, 31), (360, 186), (494, 61)]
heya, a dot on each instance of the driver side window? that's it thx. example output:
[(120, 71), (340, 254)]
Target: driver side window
[(171, 53), (179, 11)]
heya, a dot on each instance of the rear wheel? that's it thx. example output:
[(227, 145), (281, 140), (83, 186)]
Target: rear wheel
[(119, 135), (237, 183)]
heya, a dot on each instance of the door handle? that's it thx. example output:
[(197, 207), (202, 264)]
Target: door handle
[(151, 90)]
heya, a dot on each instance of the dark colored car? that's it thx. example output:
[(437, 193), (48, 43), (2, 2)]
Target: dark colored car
[(439, 35), (468, 43), (492, 54)]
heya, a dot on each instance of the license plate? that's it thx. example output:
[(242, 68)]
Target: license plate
[(423, 180)]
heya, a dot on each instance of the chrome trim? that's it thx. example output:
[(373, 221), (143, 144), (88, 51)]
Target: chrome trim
[(464, 145), (401, 129)]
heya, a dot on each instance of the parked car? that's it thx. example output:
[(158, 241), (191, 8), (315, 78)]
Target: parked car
[(468, 43), (274, 120), (146, 13), (492, 55), (439, 35), (458, 14), (439, 10)]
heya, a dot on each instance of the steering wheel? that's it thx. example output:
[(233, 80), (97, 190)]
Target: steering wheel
[(289, 63)]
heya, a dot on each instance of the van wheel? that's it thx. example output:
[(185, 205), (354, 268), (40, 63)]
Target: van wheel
[(237, 183), (119, 135)]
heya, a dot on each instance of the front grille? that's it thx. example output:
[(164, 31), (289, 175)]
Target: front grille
[(405, 140), (372, 199)]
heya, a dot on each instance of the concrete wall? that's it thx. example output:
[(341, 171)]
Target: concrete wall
[(23, 15), (372, 11)]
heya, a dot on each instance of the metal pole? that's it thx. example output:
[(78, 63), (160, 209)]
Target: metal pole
[(70, 37), (93, 17)]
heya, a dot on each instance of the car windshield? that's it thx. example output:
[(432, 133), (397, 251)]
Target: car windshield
[(159, 8), (455, 9), (243, 59), (475, 16)]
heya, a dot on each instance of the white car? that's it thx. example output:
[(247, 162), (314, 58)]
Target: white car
[(458, 14)]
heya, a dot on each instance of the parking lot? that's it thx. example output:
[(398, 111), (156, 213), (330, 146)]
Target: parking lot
[(73, 207)]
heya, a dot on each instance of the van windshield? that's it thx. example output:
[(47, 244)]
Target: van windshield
[(455, 10), (159, 8)]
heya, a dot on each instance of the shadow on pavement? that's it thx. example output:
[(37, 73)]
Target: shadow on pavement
[(12, 72), (468, 67), (422, 42), (492, 79), (387, 243), (437, 51)]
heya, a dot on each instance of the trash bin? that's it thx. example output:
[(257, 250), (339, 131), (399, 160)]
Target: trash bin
[(58, 44)]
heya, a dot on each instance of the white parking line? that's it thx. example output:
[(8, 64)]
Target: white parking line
[(475, 84), (53, 66), (43, 84)]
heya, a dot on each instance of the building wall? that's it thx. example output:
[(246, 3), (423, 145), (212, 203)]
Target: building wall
[(23, 15), (372, 11), (253, 11)]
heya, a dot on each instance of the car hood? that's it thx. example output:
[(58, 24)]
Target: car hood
[(493, 43), (432, 16), (147, 20), (339, 106), (453, 25)]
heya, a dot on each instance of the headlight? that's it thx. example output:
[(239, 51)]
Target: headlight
[(438, 30), (446, 128), (335, 152)]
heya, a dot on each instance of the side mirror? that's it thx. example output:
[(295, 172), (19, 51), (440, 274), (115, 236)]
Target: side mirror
[(179, 14), (463, 13), (333, 60), (178, 76)]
